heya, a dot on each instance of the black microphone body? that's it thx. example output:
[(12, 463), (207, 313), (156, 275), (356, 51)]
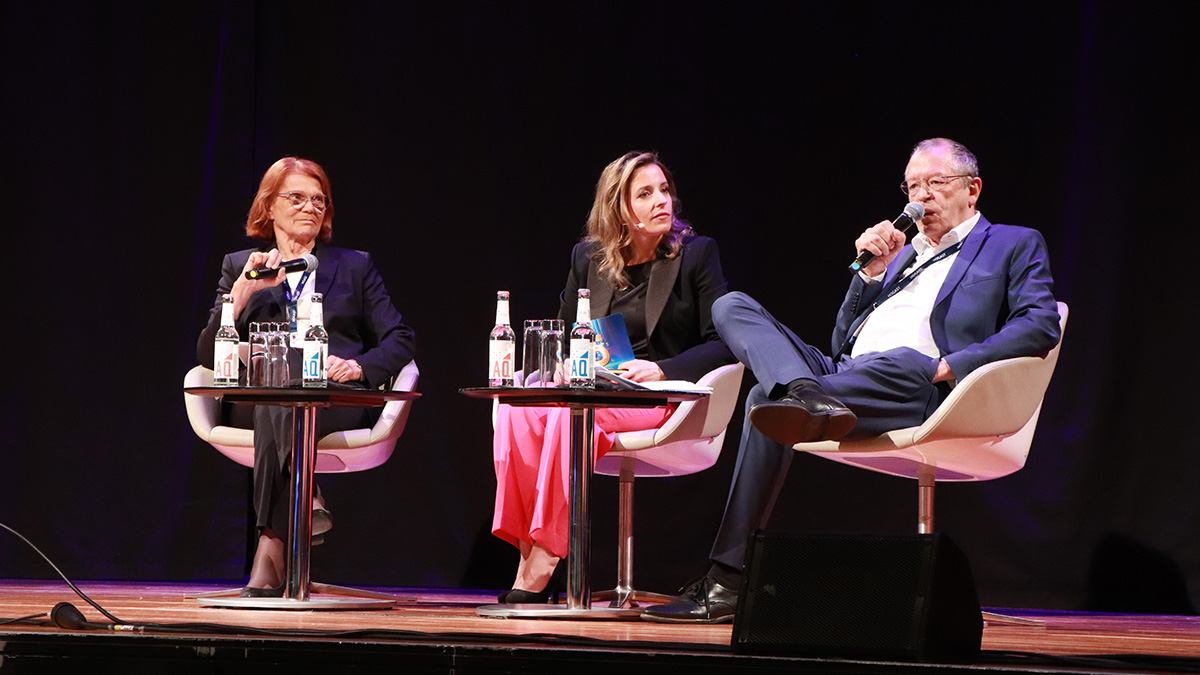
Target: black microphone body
[(308, 262), (66, 615), (913, 212)]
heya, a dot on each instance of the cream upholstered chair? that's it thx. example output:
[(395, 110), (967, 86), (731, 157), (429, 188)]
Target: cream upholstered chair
[(339, 452), (688, 442), (983, 430)]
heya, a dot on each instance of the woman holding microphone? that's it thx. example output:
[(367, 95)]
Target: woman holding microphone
[(292, 216)]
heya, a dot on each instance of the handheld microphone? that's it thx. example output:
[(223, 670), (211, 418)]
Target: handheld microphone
[(308, 262), (913, 212)]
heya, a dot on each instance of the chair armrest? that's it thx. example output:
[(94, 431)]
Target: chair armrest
[(203, 411), (394, 417)]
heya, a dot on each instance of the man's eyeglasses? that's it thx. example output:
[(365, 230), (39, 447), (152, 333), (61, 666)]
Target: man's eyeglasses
[(930, 184), (297, 200)]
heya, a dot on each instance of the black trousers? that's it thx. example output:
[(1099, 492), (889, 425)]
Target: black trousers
[(273, 453)]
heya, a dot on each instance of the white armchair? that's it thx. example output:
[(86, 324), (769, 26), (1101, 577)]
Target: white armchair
[(983, 430), (688, 442), (338, 452)]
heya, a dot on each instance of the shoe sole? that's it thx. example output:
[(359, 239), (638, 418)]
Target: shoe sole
[(790, 425), (663, 619), (322, 522)]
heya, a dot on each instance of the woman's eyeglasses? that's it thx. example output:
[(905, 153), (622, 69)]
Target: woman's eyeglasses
[(297, 200)]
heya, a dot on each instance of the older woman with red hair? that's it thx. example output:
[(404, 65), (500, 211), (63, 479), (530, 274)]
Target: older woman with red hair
[(292, 216)]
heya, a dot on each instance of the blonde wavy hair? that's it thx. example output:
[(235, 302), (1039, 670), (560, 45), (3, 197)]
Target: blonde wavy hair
[(258, 222), (609, 223)]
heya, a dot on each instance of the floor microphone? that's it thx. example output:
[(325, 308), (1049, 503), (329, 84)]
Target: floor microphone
[(66, 615), (913, 212), (308, 262)]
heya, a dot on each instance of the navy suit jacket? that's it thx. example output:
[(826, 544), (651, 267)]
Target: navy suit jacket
[(679, 297), (359, 316), (996, 303)]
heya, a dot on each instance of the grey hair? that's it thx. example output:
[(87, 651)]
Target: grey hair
[(964, 161)]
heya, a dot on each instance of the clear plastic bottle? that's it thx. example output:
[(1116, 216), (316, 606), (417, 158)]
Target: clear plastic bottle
[(225, 352), (583, 344), (501, 346), (316, 345)]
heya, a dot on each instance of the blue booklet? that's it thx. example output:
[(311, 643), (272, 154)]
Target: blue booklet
[(612, 341)]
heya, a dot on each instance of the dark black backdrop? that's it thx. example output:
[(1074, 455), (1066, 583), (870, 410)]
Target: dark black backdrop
[(463, 140)]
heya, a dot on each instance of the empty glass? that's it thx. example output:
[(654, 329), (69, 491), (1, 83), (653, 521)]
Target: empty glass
[(278, 338), (543, 353), (257, 355)]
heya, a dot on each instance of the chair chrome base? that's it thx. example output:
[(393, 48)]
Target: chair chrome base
[(543, 611), (353, 598), (290, 604), (628, 598)]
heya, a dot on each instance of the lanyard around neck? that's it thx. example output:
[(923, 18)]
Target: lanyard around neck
[(293, 298), (895, 287), (899, 284)]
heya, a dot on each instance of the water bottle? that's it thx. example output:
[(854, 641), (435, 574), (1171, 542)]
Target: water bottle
[(316, 344), (501, 346), (583, 344), (225, 352)]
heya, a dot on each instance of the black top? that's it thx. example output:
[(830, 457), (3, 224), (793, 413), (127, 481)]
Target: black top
[(678, 305), (630, 303)]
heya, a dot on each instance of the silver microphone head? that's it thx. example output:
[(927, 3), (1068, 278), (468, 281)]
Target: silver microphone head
[(311, 260), (915, 210)]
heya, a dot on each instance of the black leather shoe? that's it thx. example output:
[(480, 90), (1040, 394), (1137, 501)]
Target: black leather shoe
[(253, 592), (701, 601), (803, 417), (519, 596)]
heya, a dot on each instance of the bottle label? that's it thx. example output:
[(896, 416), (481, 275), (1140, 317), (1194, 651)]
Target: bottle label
[(501, 361), (225, 363), (581, 359), (315, 353)]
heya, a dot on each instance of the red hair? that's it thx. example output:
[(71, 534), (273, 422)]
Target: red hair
[(259, 224)]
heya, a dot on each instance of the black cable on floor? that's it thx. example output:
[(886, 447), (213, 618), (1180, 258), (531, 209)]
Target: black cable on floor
[(1111, 661), (49, 562)]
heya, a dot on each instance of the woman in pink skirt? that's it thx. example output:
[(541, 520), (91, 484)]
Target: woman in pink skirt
[(637, 259)]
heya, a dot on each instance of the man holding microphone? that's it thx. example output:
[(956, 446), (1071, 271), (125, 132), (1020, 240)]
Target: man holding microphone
[(916, 318)]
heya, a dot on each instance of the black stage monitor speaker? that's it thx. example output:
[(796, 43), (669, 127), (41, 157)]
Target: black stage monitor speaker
[(909, 597)]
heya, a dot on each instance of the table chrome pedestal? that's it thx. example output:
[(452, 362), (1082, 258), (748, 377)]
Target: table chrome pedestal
[(298, 587), (583, 404)]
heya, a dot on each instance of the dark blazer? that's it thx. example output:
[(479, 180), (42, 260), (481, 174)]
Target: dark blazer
[(683, 341), (996, 303), (359, 316)]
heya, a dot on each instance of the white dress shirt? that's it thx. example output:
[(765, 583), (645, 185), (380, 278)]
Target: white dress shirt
[(903, 320)]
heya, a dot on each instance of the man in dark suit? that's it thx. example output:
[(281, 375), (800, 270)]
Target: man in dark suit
[(965, 293)]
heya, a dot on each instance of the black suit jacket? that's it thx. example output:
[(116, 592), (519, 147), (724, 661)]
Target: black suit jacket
[(359, 316), (683, 341)]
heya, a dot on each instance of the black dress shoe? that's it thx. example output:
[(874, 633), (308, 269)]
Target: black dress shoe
[(701, 601), (255, 592), (518, 596), (803, 417)]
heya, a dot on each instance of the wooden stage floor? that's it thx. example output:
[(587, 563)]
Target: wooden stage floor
[(438, 631)]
